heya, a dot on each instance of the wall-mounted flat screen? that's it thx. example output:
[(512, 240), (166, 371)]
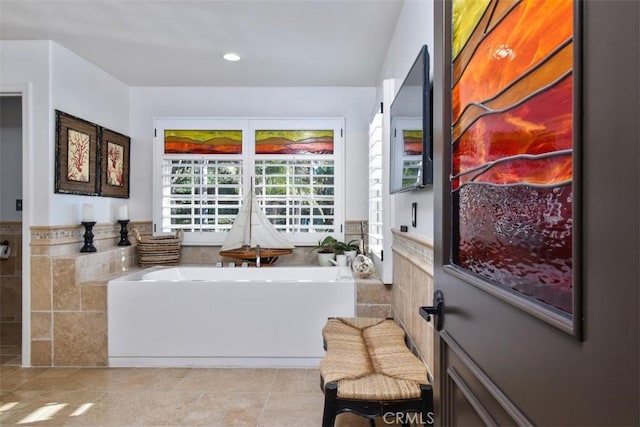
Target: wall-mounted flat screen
[(411, 157)]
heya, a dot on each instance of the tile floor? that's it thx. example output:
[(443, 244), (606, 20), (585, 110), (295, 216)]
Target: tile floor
[(164, 397)]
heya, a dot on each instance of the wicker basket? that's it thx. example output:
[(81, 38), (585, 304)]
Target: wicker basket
[(158, 250)]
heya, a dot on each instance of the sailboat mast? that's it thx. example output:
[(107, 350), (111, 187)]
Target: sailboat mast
[(266, 235)]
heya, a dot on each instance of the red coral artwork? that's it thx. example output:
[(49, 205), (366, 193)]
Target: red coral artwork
[(78, 155), (115, 164), (77, 152)]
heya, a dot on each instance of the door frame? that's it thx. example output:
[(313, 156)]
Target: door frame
[(441, 151), (24, 91), (612, 322)]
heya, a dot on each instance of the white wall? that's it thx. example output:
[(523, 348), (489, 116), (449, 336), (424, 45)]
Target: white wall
[(413, 30), (352, 103), (59, 79), (27, 62), (84, 90), (10, 157)]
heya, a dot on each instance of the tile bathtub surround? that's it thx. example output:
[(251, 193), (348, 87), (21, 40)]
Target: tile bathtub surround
[(413, 288), (167, 397), (373, 298), (68, 289), (302, 255), (68, 293)]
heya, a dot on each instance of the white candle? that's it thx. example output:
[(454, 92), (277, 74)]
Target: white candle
[(123, 213), (87, 212)]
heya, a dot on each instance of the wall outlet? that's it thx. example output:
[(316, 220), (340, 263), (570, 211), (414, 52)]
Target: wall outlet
[(18, 204)]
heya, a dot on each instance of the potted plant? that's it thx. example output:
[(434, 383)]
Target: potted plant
[(345, 252), (326, 249), (351, 249), (341, 258)]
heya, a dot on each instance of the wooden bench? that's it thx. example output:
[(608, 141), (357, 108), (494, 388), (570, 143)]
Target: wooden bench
[(368, 370)]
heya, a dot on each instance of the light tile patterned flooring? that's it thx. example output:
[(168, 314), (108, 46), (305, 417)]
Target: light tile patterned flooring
[(164, 397)]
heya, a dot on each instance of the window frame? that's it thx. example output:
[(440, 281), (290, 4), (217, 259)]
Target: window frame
[(376, 187), (248, 126)]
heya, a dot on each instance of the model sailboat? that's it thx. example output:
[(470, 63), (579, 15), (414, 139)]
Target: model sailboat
[(252, 229)]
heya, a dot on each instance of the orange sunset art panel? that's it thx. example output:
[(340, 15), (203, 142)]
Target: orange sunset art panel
[(190, 141), (294, 142), (412, 142), (513, 144)]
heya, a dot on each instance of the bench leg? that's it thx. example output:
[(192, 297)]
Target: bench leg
[(330, 404), (370, 409), (427, 404)]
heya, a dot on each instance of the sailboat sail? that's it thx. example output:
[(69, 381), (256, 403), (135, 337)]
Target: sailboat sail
[(252, 228)]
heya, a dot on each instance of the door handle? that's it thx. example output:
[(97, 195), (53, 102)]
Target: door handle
[(436, 310)]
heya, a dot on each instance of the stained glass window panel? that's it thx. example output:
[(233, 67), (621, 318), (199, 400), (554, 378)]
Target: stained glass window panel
[(188, 141), (294, 141), (512, 145)]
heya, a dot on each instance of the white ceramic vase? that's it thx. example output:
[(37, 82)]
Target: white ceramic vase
[(351, 255), (341, 260), (324, 259)]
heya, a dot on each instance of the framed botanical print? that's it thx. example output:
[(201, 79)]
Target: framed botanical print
[(114, 164), (76, 155)]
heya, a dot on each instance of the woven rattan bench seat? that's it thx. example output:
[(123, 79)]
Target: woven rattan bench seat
[(367, 362)]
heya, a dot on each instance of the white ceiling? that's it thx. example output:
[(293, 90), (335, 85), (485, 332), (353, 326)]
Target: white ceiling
[(180, 42)]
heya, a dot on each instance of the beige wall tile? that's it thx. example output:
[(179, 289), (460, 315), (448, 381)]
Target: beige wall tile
[(57, 268), (80, 338), (40, 283), (66, 295), (94, 297), (373, 293), (41, 353), (193, 255), (373, 310), (413, 288), (41, 325)]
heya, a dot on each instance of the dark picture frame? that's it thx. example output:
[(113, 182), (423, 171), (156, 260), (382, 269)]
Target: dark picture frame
[(533, 261), (114, 164), (77, 145)]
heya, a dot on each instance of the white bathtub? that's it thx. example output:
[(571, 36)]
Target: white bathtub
[(206, 316)]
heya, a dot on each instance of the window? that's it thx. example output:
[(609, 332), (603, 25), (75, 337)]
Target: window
[(200, 194), (375, 186), (204, 167), (381, 212)]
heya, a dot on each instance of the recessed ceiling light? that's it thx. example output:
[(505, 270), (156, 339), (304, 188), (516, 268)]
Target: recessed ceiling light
[(232, 57)]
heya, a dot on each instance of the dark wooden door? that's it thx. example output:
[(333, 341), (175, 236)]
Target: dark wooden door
[(496, 363)]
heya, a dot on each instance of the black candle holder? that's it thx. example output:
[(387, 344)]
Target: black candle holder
[(124, 233), (88, 237)]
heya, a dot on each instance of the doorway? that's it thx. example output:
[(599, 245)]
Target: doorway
[(501, 357), (11, 265)]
